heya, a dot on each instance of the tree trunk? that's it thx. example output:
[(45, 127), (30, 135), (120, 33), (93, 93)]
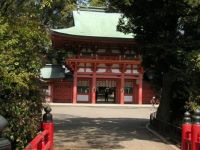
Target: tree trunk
[(163, 112)]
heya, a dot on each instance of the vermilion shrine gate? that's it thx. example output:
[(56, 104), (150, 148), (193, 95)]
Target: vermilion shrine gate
[(100, 58)]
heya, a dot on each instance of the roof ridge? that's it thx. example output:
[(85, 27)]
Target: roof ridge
[(92, 8)]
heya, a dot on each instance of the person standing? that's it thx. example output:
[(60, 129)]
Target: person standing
[(153, 101), (106, 94)]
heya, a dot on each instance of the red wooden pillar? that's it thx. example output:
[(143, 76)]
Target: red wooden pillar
[(93, 92), (121, 101), (195, 136), (134, 92), (74, 99), (49, 126), (140, 78), (118, 91), (50, 88), (186, 132)]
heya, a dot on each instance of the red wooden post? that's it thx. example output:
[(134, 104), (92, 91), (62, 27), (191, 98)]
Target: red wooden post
[(122, 89), (196, 130), (122, 84), (74, 99), (51, 91), (49, 126), (93, 91), (186, 132), (140, 85), (44, 140)]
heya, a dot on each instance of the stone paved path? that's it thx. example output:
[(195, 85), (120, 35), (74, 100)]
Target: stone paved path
[(104, 128)]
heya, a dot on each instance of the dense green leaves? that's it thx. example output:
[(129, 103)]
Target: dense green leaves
[(24, 45), (57, 13), (169, 35), (24, 117), (98, 3), (93, 3)]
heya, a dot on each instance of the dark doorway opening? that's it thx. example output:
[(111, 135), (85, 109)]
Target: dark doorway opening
[(106, 95)]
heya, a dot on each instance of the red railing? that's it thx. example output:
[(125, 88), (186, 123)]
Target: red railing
[(44, 139), (191, 132)]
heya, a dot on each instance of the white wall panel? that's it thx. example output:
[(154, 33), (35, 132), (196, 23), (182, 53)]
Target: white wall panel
[(135, 71), (88, 70), (128, 71), (115, 71), (82, 98), (81, 70), (128, 98), (101, 70)]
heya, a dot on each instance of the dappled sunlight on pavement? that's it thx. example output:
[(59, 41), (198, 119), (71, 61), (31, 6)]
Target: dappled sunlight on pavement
[(73, 132)]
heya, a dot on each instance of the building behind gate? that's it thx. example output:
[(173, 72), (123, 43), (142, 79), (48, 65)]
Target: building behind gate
[(102, 65)]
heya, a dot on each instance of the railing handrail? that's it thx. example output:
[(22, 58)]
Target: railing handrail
[(44, 139), (191, 131), (166, 129), (38, 139)]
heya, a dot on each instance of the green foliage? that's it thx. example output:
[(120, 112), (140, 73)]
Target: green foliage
[(193, 3), (24, 117), (98, 3), (57, 13), (193, 104), (23, 46), (93, 3), (170, 43)]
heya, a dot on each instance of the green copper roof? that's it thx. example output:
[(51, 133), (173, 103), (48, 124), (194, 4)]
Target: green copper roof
[(52, 72), (94, 24)]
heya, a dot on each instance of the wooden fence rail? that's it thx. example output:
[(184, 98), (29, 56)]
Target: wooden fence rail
[(44, 139), (191, 131)]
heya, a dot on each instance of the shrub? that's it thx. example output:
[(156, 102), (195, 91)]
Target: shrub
[(24, 117), (193, 104), (22, 47)]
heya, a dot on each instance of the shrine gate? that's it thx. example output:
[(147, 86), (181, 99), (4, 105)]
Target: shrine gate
[(98, 58)]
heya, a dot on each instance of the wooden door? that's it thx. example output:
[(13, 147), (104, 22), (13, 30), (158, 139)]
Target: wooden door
[(148, 92), (62, 92)]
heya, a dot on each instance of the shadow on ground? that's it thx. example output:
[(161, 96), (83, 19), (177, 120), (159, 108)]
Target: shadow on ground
[(98, 133)]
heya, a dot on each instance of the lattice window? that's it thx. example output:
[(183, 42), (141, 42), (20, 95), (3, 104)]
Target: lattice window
[(83, 86), (128, 89)]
